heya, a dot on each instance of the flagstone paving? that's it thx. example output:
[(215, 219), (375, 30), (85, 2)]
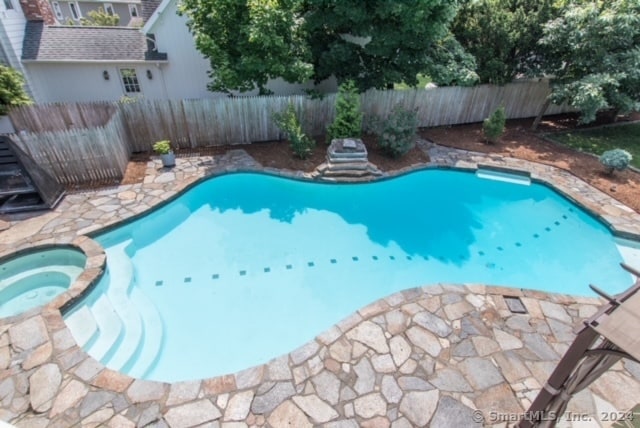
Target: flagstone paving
[(441, 355)]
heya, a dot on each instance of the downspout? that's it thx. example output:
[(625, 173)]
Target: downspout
[(162, 80)]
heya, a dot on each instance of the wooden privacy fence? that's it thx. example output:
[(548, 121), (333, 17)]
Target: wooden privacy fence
[(61, 116), (220, 121), (80, 156), (91, 142)]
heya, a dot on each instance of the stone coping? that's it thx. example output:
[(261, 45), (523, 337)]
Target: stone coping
[(441, 355), (166, 185), (80, 215), (93, 269)]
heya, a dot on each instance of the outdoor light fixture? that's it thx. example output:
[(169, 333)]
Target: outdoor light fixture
[(149, 74), (105, 75)]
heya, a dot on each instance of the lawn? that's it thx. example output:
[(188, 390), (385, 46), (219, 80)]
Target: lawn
[(422, 81), (599, 140)]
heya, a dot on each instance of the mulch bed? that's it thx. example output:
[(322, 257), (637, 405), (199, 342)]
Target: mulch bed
[(518, 141)]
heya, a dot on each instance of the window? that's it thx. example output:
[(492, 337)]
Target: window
[(57, 10), (130, 80), (108, 8), (8, 5), (75, 10), (133, 10)]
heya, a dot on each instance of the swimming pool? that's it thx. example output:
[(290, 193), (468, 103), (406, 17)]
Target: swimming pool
[(34, 279), (246, 267)]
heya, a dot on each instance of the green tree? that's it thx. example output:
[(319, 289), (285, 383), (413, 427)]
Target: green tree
[(377, 42), (288, 122), (593, 53), (449, 64), (493, 126), (502, 35), (249, 42), (12, 91), (100, 18), (348, 120)]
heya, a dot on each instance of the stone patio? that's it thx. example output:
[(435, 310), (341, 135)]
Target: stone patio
[(441, 355)]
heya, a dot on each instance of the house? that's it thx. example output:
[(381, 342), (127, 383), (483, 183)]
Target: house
[(129, 11), (91, 63), (187, 70), (79, 63)]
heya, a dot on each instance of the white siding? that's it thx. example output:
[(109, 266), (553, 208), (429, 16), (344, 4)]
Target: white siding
[(13, 22), (85, 82), (12, 34), (186, 74)]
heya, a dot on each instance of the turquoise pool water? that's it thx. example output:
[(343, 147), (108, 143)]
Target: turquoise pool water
[(34, 279), (246, 267)]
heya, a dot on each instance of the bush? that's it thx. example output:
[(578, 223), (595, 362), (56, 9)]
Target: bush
[(397, 133), (12, 91), (348, 121), (162, 147), (616, 159), (493, 126), (100, 18), (288, 122)]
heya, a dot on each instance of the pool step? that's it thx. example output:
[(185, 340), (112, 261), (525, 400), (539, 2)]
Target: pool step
[(82, 325), (109, 327), (120, 327), (121, 276), (153, 336)]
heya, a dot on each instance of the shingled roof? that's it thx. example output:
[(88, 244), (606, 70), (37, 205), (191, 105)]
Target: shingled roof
[(148, 7), (79, 43)]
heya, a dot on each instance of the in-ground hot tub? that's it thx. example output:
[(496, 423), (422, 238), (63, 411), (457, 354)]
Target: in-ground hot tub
[(33, 279)]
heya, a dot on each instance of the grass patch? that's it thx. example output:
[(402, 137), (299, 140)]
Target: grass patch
[(597, 141), (422, 81)]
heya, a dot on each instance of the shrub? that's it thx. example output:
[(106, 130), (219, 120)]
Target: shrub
[(100, 18), (288, 122), (162, 147), (616, 159), (12, 91), (348, 121), (493, 126), (397, 133)]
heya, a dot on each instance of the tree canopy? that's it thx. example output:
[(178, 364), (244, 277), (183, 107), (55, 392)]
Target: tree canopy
[(502, 35), (249, 42), (593, 53), (374, 43)]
